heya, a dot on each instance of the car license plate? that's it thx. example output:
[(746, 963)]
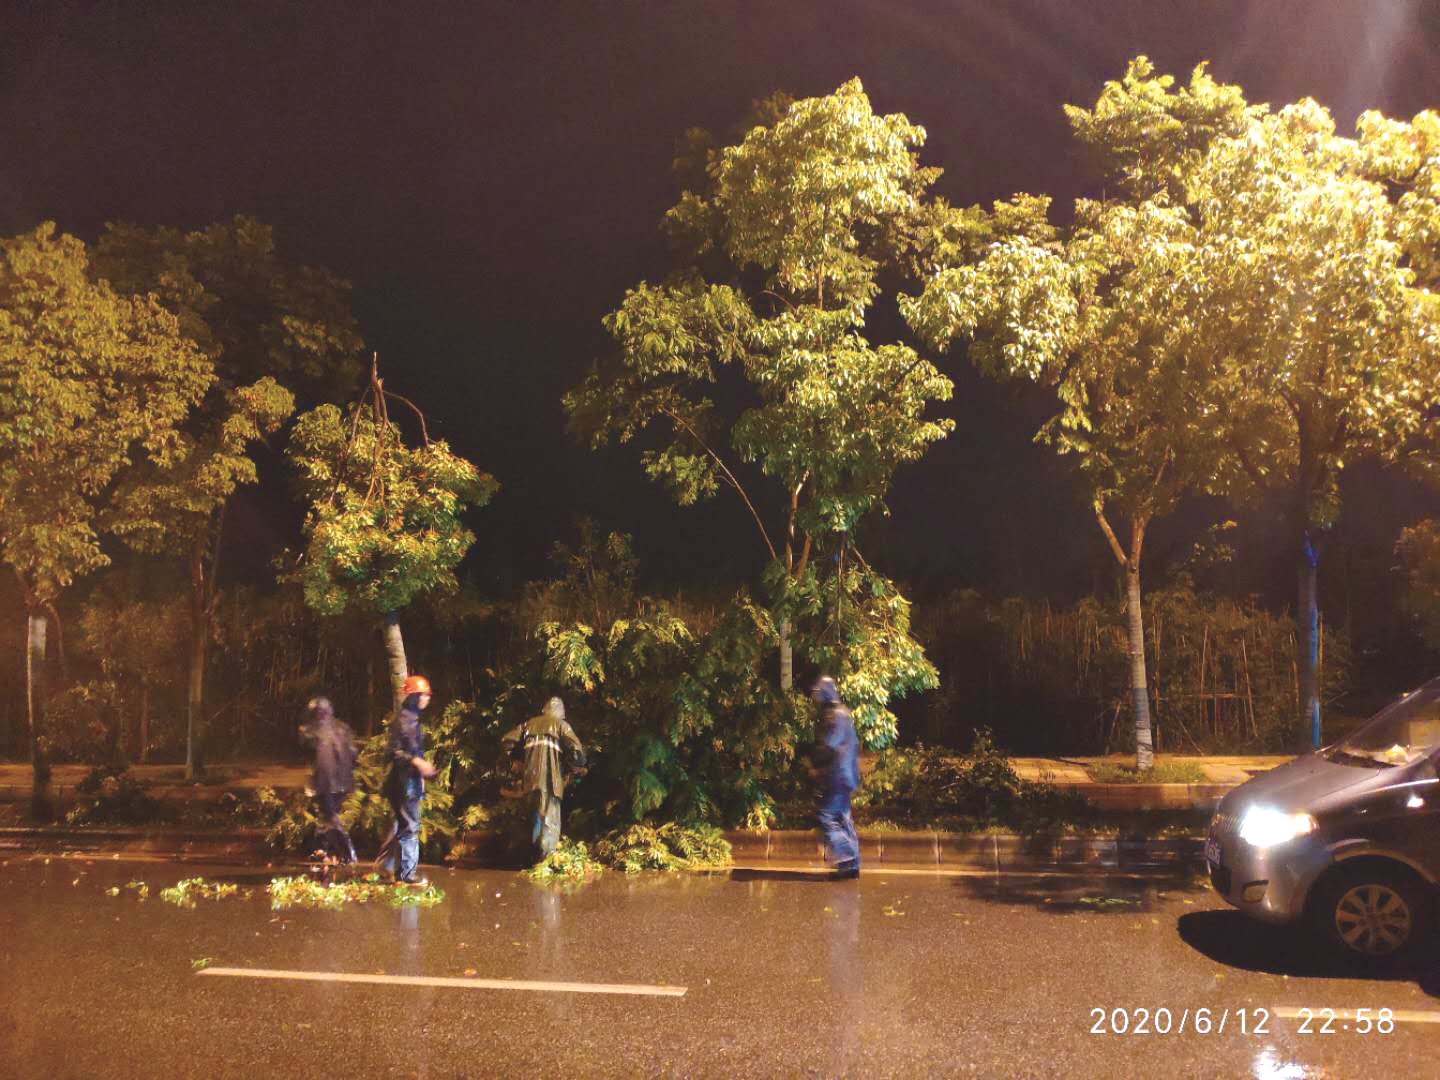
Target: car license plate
[(1212, 851)]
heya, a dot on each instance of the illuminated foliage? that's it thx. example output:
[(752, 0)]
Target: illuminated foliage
[(787, 233), (383, 524), (90, 381), (1253, 310), (384, 519), (671, 701), (1095, 313)]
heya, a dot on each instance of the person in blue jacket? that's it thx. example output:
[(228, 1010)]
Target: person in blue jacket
[(835, 760), (404, 785), (334, 774)]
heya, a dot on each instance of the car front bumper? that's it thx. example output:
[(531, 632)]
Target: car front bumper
[(1269, 883)]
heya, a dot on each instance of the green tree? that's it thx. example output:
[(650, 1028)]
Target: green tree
[(383, 523), (785, 235), (89, 382), (269, 329), (1094, 313), (1315, 268), (1290, 296)]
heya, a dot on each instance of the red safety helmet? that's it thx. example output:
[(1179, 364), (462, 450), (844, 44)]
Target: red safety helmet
[(415, 684)]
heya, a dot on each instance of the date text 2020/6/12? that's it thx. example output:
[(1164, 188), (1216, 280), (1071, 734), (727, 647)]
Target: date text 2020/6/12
[(1167, 1021)]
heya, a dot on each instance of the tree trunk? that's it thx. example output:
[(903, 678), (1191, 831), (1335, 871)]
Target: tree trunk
[(1307, 644), (35, 687), (369, 696), (194, 706), (395, 656), (1134, 628), (144, 754), (195, 692), (787, 659), (1139, 691)]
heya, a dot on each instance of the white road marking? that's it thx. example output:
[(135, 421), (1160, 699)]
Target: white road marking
[(640, 989), (1400, 1016)]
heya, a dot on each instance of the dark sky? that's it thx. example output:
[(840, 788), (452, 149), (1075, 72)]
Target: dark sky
[(491, 177)]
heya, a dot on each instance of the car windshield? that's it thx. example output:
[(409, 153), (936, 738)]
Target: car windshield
[(1398, 734)]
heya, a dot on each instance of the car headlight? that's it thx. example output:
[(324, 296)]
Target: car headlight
[(1263, 827)]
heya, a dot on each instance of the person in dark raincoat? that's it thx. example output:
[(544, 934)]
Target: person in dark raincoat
[(836, 764), (404, 785), (334, 774), (546, 739)]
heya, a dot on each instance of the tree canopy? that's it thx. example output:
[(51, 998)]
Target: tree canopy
[(1248, 310), (89, 381), (383, 523), (785, 236)]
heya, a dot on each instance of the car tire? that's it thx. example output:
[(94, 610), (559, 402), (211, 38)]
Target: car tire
[(1373, 915)]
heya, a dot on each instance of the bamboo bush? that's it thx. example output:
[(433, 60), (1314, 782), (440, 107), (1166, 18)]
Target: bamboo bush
[(1052, 679)]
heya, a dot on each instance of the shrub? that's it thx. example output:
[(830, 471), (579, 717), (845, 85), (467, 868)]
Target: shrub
[(111, 795), (671, 846), (288, 821), (569, 864), (1163, 772), (928, 787)]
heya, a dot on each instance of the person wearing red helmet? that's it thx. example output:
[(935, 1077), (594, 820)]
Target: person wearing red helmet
[(404, 785)]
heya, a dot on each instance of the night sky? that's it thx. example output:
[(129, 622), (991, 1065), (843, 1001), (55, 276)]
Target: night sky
[(491, 177)]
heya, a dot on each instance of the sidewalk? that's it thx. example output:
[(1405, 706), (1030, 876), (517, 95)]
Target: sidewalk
[(166, 781), (1221, 772)]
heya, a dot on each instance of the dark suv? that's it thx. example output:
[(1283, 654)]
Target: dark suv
[(1347, 838)]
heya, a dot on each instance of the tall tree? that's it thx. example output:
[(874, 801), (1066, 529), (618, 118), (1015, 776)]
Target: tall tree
[(383, 522), (89, 381), (1093, 311), (178, 508), (1315, 268), (785, 235), (273, 331)]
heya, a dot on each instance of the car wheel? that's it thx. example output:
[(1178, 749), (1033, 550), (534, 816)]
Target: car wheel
[(1373, 915)]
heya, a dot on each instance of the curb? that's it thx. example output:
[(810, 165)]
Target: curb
[(997, 853), (179, 845), (777, 848)]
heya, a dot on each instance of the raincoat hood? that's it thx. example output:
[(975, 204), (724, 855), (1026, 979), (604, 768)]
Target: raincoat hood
[(826, 692)]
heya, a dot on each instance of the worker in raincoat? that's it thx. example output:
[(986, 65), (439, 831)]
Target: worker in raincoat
[(547, 741), (333, 776), (404, 784), (835, 761)]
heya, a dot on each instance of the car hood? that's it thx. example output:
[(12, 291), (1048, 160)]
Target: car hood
[(1311, 784)]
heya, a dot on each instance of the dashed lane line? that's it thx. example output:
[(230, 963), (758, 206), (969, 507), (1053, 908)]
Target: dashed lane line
[(633, 989)]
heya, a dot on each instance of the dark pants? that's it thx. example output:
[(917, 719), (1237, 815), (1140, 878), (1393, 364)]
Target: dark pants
[(842, 844), (334, 840), (404, 840), (544, 821)]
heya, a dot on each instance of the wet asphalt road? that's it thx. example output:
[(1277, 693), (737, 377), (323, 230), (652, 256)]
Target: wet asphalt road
[(896, 975)]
